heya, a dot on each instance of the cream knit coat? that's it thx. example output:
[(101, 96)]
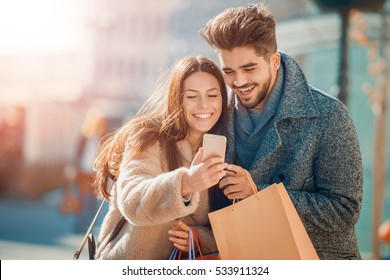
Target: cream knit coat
[(150, 199)]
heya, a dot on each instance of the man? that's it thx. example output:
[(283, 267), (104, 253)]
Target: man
[(281, 129)]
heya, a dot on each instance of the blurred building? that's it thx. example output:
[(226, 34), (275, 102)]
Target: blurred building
[(130, 46), (27, 84)]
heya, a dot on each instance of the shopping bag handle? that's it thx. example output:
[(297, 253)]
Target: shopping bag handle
[(198, 242), (176, 253), (252, 184), (194, 245)]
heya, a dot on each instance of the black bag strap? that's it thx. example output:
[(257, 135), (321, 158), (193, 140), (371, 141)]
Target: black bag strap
[(91, 246), (117, 229), (114, 234), (80, 249)]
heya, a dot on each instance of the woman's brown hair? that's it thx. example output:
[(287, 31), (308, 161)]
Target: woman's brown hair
[(160, 119)]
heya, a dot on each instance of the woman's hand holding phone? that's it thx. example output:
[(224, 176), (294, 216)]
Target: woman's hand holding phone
[(203, 175)]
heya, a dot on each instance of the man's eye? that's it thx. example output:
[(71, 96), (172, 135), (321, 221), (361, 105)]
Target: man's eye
[(249, 69), (228, 72)]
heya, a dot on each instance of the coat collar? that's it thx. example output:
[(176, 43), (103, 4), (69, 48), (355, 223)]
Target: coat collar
[(297, 100), (185, 150)]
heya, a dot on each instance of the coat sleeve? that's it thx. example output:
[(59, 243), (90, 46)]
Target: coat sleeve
[(338, 176), (147, 196)]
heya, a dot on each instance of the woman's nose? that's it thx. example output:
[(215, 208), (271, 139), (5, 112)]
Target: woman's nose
[(203, 102)]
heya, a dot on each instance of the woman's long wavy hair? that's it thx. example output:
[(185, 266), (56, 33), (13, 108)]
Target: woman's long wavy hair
[(160, 119)]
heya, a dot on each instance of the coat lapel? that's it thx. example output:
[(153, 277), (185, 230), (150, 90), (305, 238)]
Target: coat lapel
[(297, 102), (231, 141)]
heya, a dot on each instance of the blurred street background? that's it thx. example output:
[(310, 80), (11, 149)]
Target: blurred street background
[(73, 70), (34, 229)]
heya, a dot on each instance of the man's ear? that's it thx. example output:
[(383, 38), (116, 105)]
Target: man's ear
[(275, 60)]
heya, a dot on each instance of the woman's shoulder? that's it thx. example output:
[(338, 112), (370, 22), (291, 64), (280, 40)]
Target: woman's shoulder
[(185, 150), (149, 158)]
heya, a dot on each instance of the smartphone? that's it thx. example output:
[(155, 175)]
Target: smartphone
[(213, 146)]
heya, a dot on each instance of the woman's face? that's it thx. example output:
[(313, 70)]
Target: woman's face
[(202, 103)]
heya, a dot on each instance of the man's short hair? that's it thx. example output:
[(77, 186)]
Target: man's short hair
[(251, 25)]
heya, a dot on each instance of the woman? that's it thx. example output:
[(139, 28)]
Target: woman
[(157, 185)]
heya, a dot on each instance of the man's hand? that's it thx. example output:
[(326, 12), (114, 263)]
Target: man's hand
[(238, 183)]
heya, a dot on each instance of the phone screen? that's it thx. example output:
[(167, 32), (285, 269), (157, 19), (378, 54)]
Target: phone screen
[(213, 146)]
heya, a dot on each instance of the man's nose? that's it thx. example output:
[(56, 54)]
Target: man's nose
[(240, 81)]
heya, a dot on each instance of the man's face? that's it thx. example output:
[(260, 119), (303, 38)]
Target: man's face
[(250, 75)]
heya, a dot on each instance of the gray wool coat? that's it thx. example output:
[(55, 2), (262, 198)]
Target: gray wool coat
[(313, 149)]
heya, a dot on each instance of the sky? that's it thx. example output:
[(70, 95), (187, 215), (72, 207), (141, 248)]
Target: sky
[(35, 36), (40, 26)]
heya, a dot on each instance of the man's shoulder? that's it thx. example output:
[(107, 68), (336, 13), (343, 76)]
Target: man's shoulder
[(325, 100), (330, 108)]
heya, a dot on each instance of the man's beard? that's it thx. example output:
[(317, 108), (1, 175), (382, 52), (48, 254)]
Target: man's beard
[(261, 95)]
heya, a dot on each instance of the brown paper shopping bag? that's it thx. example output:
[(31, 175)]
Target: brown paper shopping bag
[(265, 225)]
